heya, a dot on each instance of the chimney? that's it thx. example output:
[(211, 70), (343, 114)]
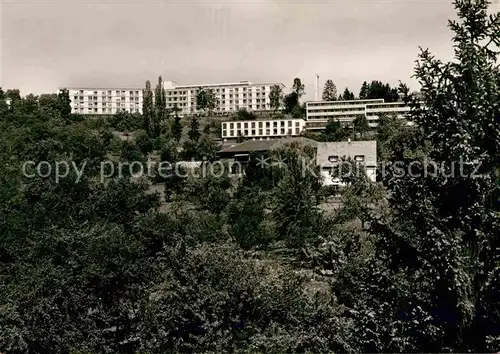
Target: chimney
[(317, 87)]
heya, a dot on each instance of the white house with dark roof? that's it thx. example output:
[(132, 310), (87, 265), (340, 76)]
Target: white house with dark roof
[(329, 155)]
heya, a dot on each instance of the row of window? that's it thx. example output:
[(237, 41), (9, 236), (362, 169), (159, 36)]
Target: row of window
[(344, 103), (343, 117), (106, 110), (105, 98), (109, 92), (389, 105), (335, 110), (275, 123), (261, 132)]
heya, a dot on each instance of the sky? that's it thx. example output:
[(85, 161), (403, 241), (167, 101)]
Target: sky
[(50, 44)]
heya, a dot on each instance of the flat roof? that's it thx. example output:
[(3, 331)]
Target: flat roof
[(367, 148)]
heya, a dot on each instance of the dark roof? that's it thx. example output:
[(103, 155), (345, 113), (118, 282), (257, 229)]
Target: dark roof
[(265, 145), (368, 149)]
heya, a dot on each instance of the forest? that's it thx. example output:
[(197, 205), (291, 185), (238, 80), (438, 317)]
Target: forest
[(408, 264)]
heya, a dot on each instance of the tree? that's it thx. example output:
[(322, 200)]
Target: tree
[(377, 89), (347, 95), (298, 88), (437, 246), (330, 91), (64, 103), (334, 131), (211, 100), (291, 101), (243, 114), (205, 100), (363, 92), (276, 97), (194, 130), (160, 109), (240, 138), (360, 124), (299, 111), (148, 109), (296, 195)]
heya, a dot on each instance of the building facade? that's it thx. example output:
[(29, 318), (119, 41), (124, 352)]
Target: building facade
[(330, 155), (262, 129), (230, 97), (319, 112)]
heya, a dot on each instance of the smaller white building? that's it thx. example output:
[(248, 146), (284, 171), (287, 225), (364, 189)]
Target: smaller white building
[(330, 155), (262, 129)]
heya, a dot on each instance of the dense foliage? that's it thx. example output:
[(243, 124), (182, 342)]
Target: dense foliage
[(257, 263)]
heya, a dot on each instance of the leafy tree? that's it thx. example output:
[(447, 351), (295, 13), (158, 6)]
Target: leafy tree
[(205, 100), (334, 131), (276, 97), (296, 196), (377, 89), (247, 217), (144, 143), (299, 111), (64, 103), (330, 91), (363, 92), (176, 127), (360, 124), (160, 109), (347, 95), (437, 247), (240, 137), (194, 130), (243, 114), (291, 101)]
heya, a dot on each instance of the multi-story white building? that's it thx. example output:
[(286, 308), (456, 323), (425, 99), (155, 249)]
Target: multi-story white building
[(319, 112), (330, 155), (230, 97), (105, 100), (262, 129)]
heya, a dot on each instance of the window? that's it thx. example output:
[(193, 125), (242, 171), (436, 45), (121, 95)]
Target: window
[(260, 131), (275, 124), (253, 124), (224, 133), (282, 130), (224, 126), (238, 125), (231, 125), (268, 124), (289, 123), (231, 133), (260, 124), (246, 125), (333, 158)]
